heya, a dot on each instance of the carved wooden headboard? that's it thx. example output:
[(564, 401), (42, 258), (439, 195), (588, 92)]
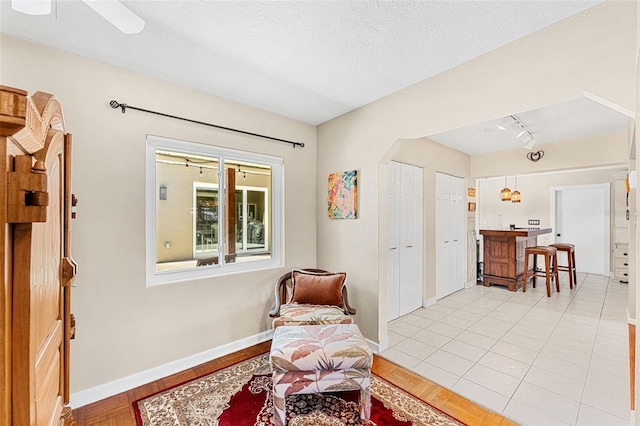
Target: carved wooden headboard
[(36, 323)]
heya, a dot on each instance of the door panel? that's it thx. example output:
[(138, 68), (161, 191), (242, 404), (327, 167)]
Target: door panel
[(39, 306), (582, 219), (450, 236)]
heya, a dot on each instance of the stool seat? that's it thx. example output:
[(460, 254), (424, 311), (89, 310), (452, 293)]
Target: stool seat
[(563, 246), (570, 267), (551, 267), (542, 250)]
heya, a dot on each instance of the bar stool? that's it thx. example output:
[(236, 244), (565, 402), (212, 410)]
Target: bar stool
[(571, 262), (551, 267)]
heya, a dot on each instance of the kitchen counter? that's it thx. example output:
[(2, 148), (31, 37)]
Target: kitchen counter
[(503, 254)]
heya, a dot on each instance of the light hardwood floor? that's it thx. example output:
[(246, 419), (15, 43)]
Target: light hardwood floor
[(118, 410)]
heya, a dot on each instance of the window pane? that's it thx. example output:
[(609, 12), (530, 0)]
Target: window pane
[(253, 215), (186, 211), (206, 220)]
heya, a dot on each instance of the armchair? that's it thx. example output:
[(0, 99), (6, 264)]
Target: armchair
[(311, 297)]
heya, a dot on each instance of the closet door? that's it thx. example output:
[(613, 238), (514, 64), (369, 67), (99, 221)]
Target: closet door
[(393, 227), (450, 244), (417, 218)]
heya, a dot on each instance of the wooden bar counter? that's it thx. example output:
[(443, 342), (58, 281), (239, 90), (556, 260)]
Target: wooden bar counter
[(503, 254)]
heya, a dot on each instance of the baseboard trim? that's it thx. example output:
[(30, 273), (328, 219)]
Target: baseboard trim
[(429, 302), (378, 347), (115, 387)]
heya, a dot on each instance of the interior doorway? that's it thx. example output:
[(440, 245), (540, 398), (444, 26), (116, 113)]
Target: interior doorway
[(581, 216)]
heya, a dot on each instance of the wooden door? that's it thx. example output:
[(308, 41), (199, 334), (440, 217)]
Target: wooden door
[(39, 303), (40, 271)]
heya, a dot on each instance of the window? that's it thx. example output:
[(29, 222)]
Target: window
[(210, 210)]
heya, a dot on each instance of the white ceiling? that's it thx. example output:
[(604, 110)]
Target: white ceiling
[(308, 60)]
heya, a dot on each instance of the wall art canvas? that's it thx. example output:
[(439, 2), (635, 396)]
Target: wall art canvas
[(343, 194)]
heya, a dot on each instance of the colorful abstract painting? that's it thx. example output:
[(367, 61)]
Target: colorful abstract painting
[(343, 192)]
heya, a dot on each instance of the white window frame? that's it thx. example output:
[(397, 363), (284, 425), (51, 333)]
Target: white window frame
[(154, 277)]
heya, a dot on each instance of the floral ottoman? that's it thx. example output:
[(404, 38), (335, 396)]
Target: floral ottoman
[(319, 358)]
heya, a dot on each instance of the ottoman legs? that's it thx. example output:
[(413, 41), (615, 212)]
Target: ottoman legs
[(280, 394)]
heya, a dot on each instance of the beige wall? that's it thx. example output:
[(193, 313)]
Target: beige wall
[(553, 65), (123, 327)]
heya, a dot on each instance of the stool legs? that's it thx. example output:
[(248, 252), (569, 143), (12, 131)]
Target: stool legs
[(554, 270), (573, 265), (280, 399), (279, 404), (548, 274), (551, 268)]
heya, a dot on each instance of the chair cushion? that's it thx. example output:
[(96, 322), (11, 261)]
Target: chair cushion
[(294, 314), (314, 288), (320, 348)]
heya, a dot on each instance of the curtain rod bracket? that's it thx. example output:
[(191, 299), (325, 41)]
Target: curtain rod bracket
[(115, 104)]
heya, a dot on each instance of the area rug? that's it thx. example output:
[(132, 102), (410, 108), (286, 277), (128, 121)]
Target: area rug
[(240, 395)]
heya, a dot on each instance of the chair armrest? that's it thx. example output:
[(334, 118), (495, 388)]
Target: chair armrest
[(280, 293), (345, 303)]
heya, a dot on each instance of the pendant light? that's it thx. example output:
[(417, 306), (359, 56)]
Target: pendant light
[(515, 195), (505, 194)]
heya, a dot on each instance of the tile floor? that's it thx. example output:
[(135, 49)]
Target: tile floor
[(543, 361)]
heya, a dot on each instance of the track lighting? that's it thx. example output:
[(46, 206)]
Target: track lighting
[(512, 125)]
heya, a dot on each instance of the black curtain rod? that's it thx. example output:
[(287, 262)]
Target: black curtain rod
[(116, 104)]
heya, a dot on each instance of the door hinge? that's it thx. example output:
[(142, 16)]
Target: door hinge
[(27, 196)]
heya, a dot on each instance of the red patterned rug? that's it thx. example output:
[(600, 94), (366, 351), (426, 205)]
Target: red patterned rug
[(240, 395)]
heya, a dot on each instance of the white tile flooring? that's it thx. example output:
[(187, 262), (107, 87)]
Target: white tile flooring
[(542, 361)]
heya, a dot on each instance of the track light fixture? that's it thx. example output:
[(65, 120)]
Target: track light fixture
[(512, 125)]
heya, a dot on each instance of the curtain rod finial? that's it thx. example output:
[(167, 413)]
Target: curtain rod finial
[(115, 104)]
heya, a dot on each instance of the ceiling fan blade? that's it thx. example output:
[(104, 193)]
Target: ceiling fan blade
[(117, 14), (32, 7)]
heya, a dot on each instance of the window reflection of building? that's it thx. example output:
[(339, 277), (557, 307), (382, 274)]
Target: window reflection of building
[(206, 220)]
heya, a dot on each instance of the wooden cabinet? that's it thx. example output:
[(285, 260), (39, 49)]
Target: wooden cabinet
[(37, 270), (503, 254)]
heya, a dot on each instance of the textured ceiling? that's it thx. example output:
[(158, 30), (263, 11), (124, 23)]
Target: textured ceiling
[(309, 60)]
